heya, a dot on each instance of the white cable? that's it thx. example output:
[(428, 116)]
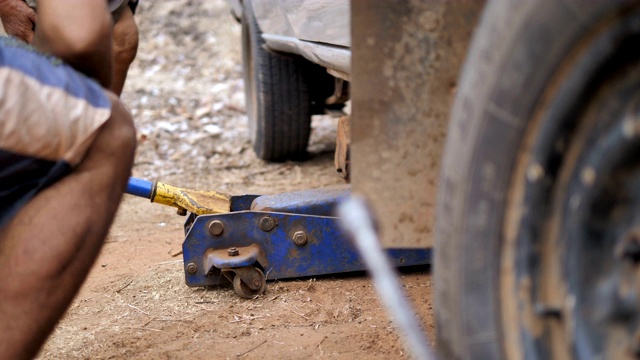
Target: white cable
[(355, 219)]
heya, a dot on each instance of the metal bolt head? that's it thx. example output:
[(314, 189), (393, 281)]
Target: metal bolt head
[(629, 249), (192, 268), (233, 251), (216, 228), (267, 223), (300, 238), (613, 306), (635, 344)]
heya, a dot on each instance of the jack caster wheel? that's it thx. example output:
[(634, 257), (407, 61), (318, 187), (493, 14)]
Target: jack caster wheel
[(249, 291)]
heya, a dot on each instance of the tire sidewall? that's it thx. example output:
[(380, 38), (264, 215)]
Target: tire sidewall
[(515, 53)]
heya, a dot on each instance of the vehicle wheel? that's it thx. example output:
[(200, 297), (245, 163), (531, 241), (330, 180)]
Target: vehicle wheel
[(244, 291), (277, 93), (538, 227)]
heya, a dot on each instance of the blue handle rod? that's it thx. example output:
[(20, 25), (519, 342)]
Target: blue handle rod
[(139, 187)]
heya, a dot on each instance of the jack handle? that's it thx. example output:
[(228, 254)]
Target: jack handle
[(199, 202)]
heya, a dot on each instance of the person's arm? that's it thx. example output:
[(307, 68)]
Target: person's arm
[(18, 19), (78, 32)]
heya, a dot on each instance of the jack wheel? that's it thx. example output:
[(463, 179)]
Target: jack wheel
[(245, 291)]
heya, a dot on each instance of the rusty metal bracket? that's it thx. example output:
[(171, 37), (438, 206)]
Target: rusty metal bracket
[(226, 258)]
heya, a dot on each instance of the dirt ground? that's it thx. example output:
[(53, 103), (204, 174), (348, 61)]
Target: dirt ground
[(186, 93)]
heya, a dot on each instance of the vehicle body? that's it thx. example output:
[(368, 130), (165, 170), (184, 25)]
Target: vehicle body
[(537, 233), (317, 30), (299, 49)]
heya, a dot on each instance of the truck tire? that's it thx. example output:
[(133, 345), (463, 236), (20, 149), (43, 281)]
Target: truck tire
[(277, 96), (538, 223)]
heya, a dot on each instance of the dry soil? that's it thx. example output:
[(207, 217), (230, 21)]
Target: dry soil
[(185, 91)]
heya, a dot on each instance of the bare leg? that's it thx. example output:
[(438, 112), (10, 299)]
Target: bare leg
[(125, 47), (47, 249)]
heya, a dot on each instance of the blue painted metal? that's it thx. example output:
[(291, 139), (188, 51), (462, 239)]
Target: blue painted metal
[(327, 251), (242, 202), (139, 187), (311, 202)]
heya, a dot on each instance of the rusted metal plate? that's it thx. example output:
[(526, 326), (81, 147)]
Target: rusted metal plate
[(406, 56)]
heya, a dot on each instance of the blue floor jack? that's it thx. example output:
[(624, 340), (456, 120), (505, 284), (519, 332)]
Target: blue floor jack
[(249, 239)]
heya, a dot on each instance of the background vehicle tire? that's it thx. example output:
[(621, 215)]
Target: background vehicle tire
[(536, 193), (279, 96)]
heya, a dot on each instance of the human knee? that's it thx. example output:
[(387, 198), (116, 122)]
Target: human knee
[(126, 53), (121, 130), (125, 38)]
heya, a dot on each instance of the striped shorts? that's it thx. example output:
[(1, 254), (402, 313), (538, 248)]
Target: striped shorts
[(49, 117)]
